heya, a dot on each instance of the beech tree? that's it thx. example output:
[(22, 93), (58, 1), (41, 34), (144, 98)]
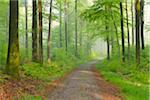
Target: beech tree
[(26, 26), (40, 32), (76, 29), (66, 25), (142, 24), (122, 31), (13, 59), (128, 33), (137, 13), (49, 32), (132, 22), (60, 23), (34, 32)]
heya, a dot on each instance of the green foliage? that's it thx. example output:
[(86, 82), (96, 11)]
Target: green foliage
[(127, 76), (30, 97), (48, 72), (36, 71), (61, 63), (3, 77), (63, 58)]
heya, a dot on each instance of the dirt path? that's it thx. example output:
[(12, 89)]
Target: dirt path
[(83, 84)]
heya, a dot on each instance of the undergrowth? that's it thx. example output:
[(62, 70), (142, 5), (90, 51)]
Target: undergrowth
[(133, 80), (61, 63)]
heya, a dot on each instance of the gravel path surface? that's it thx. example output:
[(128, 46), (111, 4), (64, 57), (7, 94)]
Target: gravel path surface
[(80, 85)]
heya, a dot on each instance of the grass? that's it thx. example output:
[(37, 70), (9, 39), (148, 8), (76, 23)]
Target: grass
[(133, 81)]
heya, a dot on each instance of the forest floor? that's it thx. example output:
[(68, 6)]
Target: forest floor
[(85, 83), (82, 83)]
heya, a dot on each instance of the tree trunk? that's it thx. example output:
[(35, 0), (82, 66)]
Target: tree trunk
[(66, 28), (117, 39), (117, 36), (68, 23), (108, 44), (34, 33), (108, 48), (12, 66), (132, 22), (76, 30), (128, 34), (60, 26), (26, 26), (112, 42), (122, 32), (81, 28), (142, 24), (49, 32), (137, 13), (40, 32)]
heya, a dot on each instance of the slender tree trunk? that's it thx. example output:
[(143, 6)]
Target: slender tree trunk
[(132, 22), (122, 32), (81, 38), (108, 44), (68, 21), (112, 44), (108, 48), (76, 30), (34, 32), (66, 28), (87, 50), (40, 32), (81, 27), (137, 13), (117, 36), (117, 39), (142, 24), (49, 32), (12, 66), (60, 26), (26, 26), (128, 34)]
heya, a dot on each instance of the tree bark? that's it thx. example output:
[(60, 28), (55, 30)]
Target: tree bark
[(108, 48), (142, 24), (26, 26), (128, 33), (76, 29), (137, 13), (117, 36), (81, 28), (66, 27), (34, 32), (68, 23), (49, 32), (132, 22), (13, 61), (108, 43), (40, 32), (60, 26), (122, 32)]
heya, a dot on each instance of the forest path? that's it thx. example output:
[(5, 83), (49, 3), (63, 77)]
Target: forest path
[(83, 84)]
